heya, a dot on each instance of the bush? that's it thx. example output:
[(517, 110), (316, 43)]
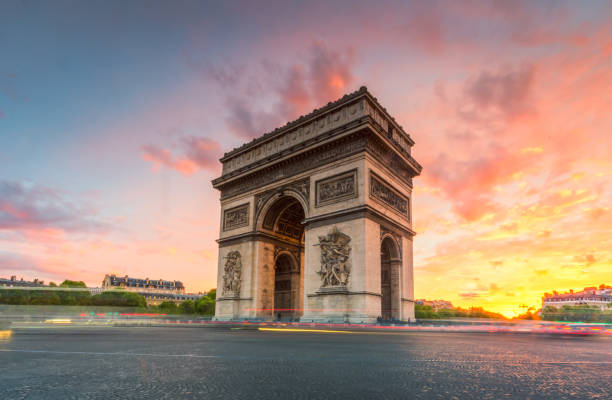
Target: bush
[(187, 307), (118, 298), (427, 312), (579, 313), (73, 284)]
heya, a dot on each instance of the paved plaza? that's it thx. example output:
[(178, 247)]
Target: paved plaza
[(212, 363)]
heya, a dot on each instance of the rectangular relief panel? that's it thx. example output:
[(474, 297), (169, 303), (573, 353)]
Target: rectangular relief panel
[(386, 194), (236, 217), (336, 188)]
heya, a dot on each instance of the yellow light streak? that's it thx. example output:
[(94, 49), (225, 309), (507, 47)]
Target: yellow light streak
[(58, 321), (303, 330)]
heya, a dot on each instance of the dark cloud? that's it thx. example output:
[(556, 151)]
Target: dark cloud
[(27, 206), (506, 91), (282, 93)]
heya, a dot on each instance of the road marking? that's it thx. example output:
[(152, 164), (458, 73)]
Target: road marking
[(305, 330)]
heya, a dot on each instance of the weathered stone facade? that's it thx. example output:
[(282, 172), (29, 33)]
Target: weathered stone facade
[(319, 212)]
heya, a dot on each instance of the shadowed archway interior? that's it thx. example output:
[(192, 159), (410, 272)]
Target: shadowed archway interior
[(284, 220), (389, 279)]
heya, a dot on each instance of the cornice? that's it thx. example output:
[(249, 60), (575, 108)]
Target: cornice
[(346, 110)]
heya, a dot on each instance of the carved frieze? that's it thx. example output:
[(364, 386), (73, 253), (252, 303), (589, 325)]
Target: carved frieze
[(312, 159), (385, 193), (236, 217), (336, 188), (335, 254), (232, 274), (286, 137), (389, 159)]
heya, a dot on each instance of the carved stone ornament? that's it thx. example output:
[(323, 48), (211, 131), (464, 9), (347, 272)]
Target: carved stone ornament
[(335, 265), (336, 188), (236, 217), (232, 274), (383, 192)]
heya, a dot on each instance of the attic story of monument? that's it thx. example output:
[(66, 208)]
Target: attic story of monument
[(316, 219)]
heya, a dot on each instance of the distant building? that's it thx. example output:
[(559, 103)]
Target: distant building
[(14, 282), (136, 284), (435, 304), (592, 296), (155, 291)]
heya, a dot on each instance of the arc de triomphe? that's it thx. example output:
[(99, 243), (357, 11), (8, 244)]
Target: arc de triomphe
[(316, 219)]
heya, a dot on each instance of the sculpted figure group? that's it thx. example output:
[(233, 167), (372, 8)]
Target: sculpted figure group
[(232, 274), (335, 253)]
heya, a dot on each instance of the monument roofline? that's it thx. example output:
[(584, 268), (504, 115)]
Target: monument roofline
[(317, 113)]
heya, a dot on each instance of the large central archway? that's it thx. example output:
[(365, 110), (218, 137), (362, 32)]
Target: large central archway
[(283, 220)]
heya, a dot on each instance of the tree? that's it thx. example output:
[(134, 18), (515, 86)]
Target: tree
[(118, 298), (187, 307), (73, 284), (425, 312), (206, 304), (168, 307), (40, 297)]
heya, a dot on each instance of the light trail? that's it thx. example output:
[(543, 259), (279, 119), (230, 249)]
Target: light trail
[(306, 330)]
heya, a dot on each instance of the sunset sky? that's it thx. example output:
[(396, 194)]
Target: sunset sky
[(113, 116)]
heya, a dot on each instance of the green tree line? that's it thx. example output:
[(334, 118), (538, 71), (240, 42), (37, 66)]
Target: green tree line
[(117, 298), (427, 312), (204, 306), (578, 313)]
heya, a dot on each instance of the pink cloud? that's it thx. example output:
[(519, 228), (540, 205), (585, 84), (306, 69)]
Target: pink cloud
[(506, 91), (27, 207), (198, 153)]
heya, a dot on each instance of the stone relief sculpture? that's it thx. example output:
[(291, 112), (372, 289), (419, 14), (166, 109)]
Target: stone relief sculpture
[(335, 265), (232, 274), (236, 217), (336, 188), (384, 193)]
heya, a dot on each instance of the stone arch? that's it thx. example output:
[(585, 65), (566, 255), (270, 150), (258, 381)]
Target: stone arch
[(280, 220), (390, 266), (393, 246), (272, 200)]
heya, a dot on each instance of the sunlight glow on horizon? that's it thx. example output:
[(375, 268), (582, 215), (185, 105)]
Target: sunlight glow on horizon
[(109, 138)]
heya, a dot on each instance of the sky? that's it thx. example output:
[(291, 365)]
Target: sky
[(113, 116)]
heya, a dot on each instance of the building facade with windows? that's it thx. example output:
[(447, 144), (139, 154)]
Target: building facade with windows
[(155, 291), (592, 296)]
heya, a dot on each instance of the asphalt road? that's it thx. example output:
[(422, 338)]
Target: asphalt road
[(211, 363)]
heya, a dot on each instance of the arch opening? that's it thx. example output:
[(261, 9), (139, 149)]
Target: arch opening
[(286, 288), (283, 221), (389, 280)]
